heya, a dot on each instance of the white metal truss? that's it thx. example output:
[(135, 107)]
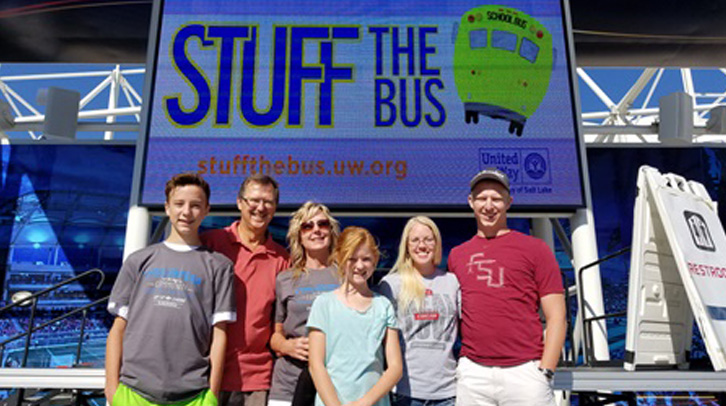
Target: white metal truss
[(625, 122), (620, 120), (28, 116)]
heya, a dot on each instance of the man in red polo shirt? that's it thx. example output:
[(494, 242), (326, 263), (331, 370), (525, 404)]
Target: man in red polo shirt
[(257, 261)]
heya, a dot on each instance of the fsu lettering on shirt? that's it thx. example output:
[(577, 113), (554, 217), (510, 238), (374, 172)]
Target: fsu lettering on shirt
[(502, 280)]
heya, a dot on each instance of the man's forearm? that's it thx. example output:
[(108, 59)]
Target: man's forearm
[(554, 341), (555, 313)]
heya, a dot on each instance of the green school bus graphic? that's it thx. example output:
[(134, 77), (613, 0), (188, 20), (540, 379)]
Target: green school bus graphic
[(502, 64)]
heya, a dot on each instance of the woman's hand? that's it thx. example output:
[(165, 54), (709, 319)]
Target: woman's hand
[(296, 348)]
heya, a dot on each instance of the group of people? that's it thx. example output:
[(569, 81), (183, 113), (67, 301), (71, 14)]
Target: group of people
[(228, 317)]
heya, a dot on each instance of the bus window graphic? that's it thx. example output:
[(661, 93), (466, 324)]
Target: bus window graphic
[(502, 64)]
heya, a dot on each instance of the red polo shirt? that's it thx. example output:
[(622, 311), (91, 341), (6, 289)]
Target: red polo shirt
[(248, 361)]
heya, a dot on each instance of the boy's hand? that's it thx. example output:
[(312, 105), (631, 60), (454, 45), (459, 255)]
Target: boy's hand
[(109, 390)]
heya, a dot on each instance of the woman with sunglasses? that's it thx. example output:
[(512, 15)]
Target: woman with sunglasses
[(427, 302), (312, 235)]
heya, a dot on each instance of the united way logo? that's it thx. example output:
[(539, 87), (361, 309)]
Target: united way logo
[(699, 231), (535, 165)]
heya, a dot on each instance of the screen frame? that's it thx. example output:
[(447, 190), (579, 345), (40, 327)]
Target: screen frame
[(529, 210)]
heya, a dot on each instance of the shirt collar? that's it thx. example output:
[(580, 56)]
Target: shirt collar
[(233, 230)]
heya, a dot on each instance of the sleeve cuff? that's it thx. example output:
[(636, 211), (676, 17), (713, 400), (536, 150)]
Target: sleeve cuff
[(224, 317), (314, 327), (120, 311)]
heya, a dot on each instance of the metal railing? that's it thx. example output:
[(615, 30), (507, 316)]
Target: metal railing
[(33, 301), (588, 352)]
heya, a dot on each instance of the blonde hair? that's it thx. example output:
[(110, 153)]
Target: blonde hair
[(297, 252), (413, 290), (349, 241)]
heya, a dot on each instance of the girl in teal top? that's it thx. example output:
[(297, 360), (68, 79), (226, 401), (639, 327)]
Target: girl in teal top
[(352, 329)]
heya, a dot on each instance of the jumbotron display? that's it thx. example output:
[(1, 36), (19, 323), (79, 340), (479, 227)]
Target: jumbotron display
[(363, 104)]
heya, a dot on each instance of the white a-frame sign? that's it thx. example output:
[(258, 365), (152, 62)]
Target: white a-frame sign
[(677, 271)]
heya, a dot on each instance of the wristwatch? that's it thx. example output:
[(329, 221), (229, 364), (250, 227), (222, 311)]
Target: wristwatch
[(548, 373)]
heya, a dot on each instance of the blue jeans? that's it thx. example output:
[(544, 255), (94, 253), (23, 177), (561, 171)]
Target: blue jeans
[(400, 400)]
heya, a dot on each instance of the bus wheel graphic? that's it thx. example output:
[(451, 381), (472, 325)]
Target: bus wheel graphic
[(516, 127)]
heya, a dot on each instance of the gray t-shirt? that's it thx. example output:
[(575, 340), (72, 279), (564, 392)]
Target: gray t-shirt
[(294, 297), (171, 300), (427, 336)]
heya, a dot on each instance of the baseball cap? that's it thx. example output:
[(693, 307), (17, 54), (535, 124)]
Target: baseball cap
[(490, 174)]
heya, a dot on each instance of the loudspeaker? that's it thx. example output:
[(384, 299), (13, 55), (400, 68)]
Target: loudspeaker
[(716, 123), (61, 112), (676, 119)]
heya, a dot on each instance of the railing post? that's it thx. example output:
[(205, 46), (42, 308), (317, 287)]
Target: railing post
[(80, 338), (26, 351), (31, 322)]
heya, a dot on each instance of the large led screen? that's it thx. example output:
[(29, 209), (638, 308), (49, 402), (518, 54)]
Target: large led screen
[(364, 104)]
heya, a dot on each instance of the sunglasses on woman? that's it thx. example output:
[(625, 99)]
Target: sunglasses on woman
[(310, 225)]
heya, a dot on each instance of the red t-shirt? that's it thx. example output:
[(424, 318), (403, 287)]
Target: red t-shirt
[(502, 280), (248, 360)]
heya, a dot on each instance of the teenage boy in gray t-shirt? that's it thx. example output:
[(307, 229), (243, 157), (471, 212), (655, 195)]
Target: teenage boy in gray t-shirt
[(172, 301)]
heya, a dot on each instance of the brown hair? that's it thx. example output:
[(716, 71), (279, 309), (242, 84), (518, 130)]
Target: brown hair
[(185, 179)]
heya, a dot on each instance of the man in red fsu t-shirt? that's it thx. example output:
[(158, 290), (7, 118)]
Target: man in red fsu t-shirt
[(505, 277)]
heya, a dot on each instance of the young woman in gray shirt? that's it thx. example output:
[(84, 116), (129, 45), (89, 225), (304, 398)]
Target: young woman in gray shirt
[(427, 302)]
